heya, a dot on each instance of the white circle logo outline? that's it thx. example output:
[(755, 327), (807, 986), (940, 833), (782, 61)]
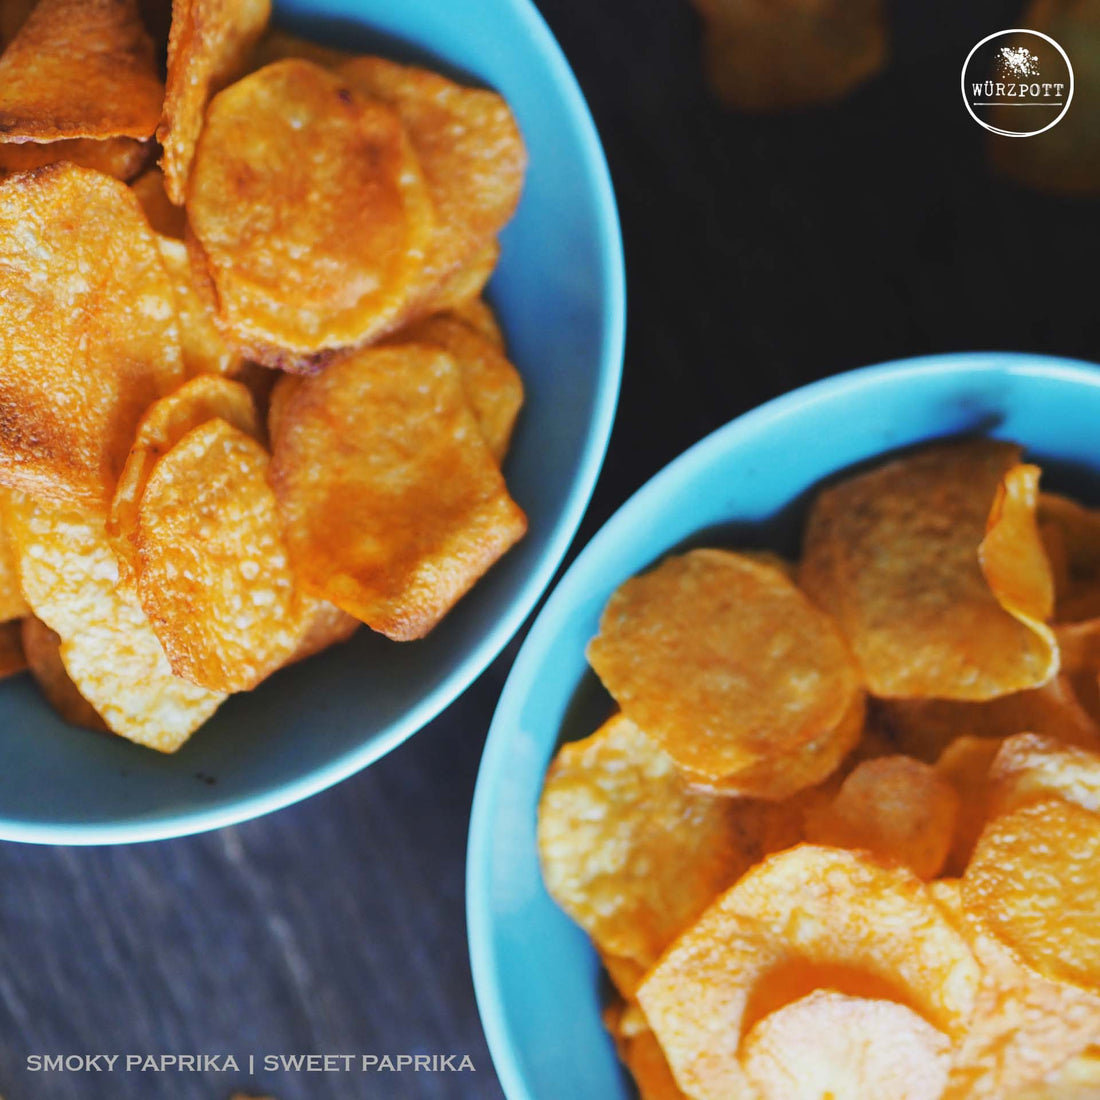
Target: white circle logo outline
[(1016, 133)]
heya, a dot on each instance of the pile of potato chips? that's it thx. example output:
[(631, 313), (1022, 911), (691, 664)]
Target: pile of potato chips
[(842, 838), (252, 397)]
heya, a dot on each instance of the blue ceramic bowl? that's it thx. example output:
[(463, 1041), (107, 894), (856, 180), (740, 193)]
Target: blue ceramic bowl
[(536, 975), (560, 296)]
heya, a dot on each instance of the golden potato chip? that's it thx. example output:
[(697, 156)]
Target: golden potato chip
[(208, 47), (310, 210), (893, 554), (492, 385), (1028, 768), (640, 1052), (80, 69), (925, 727), (1076, 1079), (845, 1048), (91, 337), (732, 671), (393, 506), (164, 424), (281, 395), (625, 974), (69, 574), (808, 918), (463, 283), (782, 56), (1071, 534), (479, 315), (12, 659), (471, 151), (965, 764), (322, 625), (214, 577), (43, 649), (1032, 882), (1079, 645), (628, 850), (166, 219), (1023, 1027), (897, 808), (12, 603), (121, 157)]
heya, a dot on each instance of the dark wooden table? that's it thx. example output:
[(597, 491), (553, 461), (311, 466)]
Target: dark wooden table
[(761, 254)]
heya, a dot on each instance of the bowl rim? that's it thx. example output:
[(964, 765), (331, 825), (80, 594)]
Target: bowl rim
[(496, 759), (609, 356)]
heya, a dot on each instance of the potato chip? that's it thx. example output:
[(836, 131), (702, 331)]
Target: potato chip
[(281, 395), (69, 574), (322, 625), (91, 337), (1033, 884), (302, 260), (1028, 768), (640, 1052), (122, 158), (12, 659), (80, 69), (164, 424), (393, 505), (1076, 1079), (805, 919), (625, 974), (479, 315), (782, 56), (214, 577), (893, 554), (1023, 1027), (208, 47), (1071, 533), (733, 672), (628, 850), (965, 764), (1079, 645), (43, 649), (897, 808), (166, 219), (925, 727), (278, 45), (12, 603), (492, 385), (845, 1048), (463, 283), (471, 151)]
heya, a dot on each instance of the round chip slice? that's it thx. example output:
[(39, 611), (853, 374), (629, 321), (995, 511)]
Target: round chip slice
[(1033, 883), (965, 764), (214, 576), (805, 919), (479, 315), (12, 658), (121, 157), (732, 671), (1029, 767), (311, 211), (43, 649), (845, 1048)]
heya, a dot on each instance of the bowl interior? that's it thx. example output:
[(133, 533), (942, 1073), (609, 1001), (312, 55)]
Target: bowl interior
[(536, 975), (559, 293)]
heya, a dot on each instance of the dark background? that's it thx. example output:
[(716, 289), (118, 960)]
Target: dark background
[(761, 254)]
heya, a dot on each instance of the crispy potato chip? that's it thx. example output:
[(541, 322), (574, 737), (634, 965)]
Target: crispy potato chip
[(1076, 1079), (479, 315), (1032, 882), (628, 850), (925, 727), (893, 554), (897, 808), (302, 260), (965, 764), (640, 1052), (805, 919), (69, 574), (166, 219), (214, 577), (80, 69), (492, 385), (625, 974), (845, 1048), (322, 625), (281, 395), (208, 47), (12, 603), (471, 151), (1079, 645), (1071, 535), (680, 649), (91, 337), (164, 424), (464, 283), (1023, 1027), (781, 56), (393, 505), (43, 649), (12, 659), (122, 158), (1028, 768)]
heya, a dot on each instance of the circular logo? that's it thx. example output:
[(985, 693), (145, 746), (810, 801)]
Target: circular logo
[(1017, 83)]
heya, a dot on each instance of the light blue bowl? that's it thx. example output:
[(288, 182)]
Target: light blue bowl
[(559, 292), (535, 973)]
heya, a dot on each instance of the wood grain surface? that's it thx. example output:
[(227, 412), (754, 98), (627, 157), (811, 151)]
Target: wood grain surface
[(761, 254)]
